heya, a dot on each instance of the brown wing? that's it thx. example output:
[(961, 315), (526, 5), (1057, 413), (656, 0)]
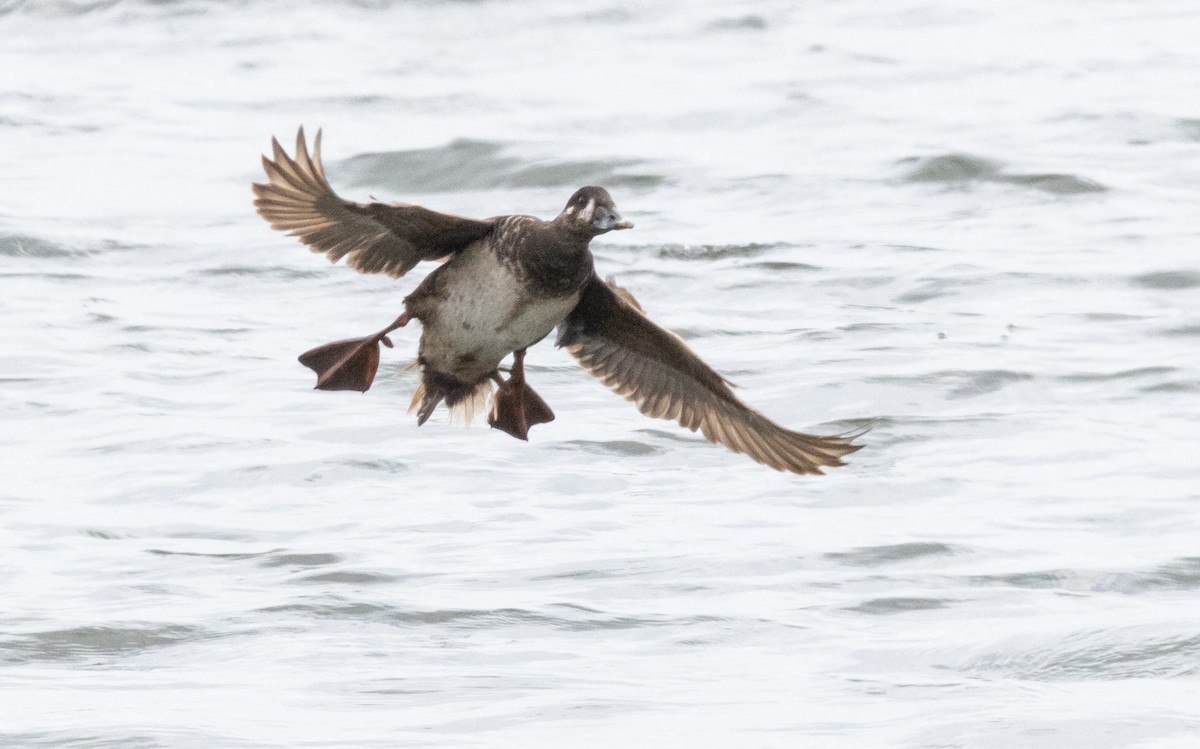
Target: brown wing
[(655, 369), (373, 237)]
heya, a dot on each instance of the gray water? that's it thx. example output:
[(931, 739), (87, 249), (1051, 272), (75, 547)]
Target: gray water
[(973, 226)]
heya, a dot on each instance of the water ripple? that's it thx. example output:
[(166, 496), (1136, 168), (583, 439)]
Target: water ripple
[(874, 556), (1130, 653), (583, 620), (84, 643), (611, 447), (899, 605), (479, 165), (1169, 280), (958, 168), (23, 245), (1181, 574), (718, 252), (1124, 374), (960, 383)]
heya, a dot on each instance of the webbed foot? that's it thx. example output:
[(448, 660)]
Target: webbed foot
[(516, 408), (349, 364), (515, 405)]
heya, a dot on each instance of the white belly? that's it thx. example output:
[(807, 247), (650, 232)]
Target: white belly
[(485, 316)]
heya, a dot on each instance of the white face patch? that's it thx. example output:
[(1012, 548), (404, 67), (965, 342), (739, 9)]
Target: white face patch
[(586, 214)]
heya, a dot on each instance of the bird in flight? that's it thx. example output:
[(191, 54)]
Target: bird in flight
[(504, 284)]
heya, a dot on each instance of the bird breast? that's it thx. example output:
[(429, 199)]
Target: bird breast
[(479, 312)]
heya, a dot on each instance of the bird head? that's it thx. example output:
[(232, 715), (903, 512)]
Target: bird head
[(592, 210)]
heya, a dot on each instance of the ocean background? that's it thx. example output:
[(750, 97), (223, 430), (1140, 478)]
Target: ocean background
[(973, 226)]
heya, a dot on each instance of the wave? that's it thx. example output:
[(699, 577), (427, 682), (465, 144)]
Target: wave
[(899, 605), (1183, 331), (960, 168), (1127, 653), (25, 245), (86, 643), (960, 383), (875, 556), (1124, 374), (573, 618), (1168, 280), (464, 165), (717, 251)]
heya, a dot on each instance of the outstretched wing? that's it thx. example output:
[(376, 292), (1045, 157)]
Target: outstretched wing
[(655, 369), (373, 237)]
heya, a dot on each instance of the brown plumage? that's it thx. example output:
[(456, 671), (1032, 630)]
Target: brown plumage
[(372, 237), (655, 370), (508, 281)]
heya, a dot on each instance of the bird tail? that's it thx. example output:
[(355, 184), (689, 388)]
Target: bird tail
[(463, 399)]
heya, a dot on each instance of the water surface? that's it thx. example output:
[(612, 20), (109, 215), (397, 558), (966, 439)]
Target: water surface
[(974, 228)]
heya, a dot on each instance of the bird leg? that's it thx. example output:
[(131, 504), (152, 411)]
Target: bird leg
[(350, 364), (515, 406)]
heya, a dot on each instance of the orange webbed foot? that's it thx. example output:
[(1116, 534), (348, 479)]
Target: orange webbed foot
[(349, 364), (515, 406)]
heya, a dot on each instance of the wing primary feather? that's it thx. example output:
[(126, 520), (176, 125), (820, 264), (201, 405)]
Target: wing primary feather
[(320, 167), (656, 370), (372, 237)]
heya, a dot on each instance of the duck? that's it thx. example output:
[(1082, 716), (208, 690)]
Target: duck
[(504, 284)]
